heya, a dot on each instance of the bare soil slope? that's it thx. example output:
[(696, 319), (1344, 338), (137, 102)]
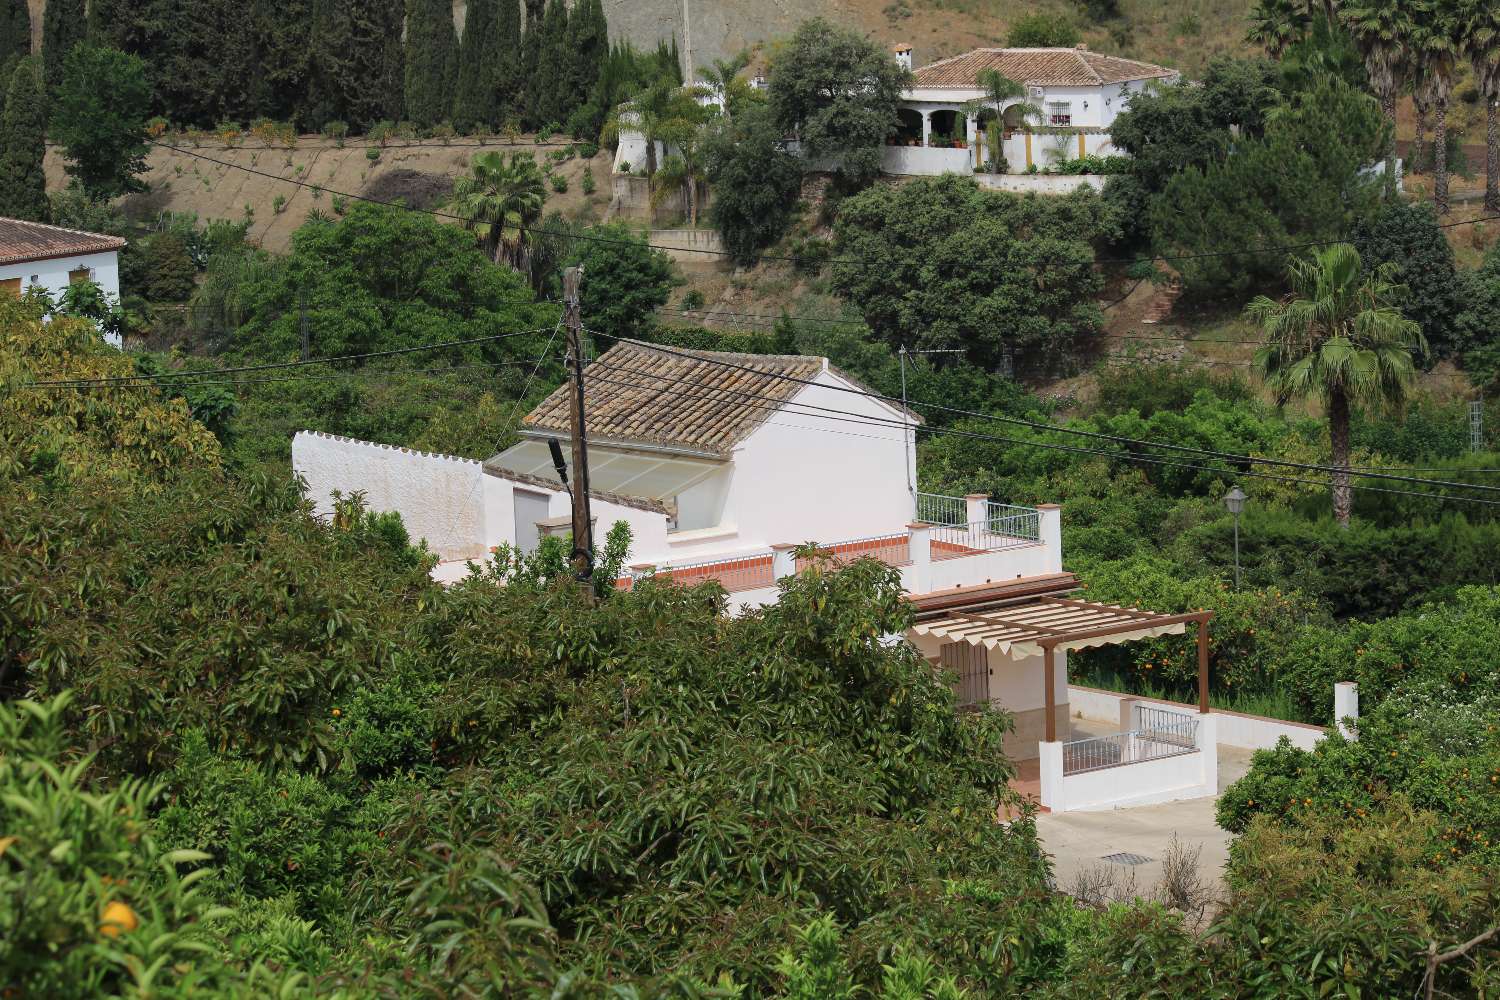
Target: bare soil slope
[(419, 173)]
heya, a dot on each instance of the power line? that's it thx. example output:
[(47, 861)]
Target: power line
[(1115, 438), (774, 406), (789, 258), (190, 376)]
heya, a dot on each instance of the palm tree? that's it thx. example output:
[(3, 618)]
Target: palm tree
[(1437, 40), (1382, 29), (500, 196), (1275, 24), (723, 81), (1338, 336), (1000, 93), (684, 169), (1482, 41)]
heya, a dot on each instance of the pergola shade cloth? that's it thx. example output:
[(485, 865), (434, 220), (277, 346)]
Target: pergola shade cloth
[(1027, 630)]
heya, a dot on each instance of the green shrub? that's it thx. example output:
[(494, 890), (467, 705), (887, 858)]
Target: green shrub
[(338, 131), (559, 183), (1042, 31), (587, 180), (170, 270), (90, 904), (372, 154)]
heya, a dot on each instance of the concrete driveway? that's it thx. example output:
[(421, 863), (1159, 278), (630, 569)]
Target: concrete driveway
[(1079, 841)]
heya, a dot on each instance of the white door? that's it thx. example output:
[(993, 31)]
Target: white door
[(530, 508)]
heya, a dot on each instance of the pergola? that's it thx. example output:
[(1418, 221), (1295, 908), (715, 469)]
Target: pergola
[(1042, 625)]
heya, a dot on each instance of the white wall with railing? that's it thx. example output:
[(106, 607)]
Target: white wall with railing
[(1235, 729), (1169, 757)]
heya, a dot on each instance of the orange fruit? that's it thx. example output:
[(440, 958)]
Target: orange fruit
[(117, 918)]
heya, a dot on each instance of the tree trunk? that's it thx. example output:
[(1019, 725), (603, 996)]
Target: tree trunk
[(1388, 108), (692, 192), (1440, 156), (1491, 157), (1419, 147), (1338, 437)]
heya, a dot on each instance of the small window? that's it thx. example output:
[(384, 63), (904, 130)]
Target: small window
[(10, 288), (1059, 112), (82, 274)]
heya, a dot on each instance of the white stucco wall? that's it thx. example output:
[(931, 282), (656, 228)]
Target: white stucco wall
[(1053, 184), (53, 275), (1168, 779), (925, 161), (1235, 729), (805, 475), (459, 509), (439, 497)]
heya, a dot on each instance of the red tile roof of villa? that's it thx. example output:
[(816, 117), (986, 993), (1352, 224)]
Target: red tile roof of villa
[(22, 241), (1042, 67)]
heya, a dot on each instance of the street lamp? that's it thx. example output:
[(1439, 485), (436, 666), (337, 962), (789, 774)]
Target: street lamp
[(1235, 501)]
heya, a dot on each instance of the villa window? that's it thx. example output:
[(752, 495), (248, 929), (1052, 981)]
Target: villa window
[(1059, 112), (80, 275), (10, 288)]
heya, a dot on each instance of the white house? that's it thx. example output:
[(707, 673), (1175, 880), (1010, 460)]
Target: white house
[(50, 257), (941, 130), (1078, 93), (726, 465)]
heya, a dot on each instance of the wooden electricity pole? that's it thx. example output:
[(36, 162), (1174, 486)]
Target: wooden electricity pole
[(583, 523)]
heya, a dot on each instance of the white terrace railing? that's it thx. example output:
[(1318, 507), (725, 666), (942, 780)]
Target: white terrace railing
[(1162, 734), (935, 508)]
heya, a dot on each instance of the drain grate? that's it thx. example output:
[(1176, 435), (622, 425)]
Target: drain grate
[(1126, 859)]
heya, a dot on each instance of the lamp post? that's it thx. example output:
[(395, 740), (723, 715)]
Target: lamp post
[(1235, 501)]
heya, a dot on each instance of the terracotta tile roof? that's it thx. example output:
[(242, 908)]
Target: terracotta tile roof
[(23, 241), (1039, 67), (635, 394)]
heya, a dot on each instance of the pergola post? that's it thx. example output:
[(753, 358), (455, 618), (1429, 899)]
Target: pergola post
[(1048, 659), (1203, 666)]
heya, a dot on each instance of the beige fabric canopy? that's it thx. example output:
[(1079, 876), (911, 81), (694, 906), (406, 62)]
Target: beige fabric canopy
[(1022, 631), (1040, 626)]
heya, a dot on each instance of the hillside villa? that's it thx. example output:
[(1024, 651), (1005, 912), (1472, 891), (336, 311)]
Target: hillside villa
[(33, 255), (1077, 92), (726, 465)]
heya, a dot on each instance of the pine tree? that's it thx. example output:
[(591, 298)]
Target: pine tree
[(431, 55), (588, 48), (23, 134), (64, 25), (549, 82), (474, 102), (506, 58)]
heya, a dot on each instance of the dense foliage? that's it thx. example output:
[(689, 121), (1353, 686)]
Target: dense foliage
[(942, 263), (99, 118), (756, 184), (838, 93)]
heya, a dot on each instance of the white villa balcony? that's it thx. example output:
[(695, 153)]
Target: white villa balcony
[(954, 543)]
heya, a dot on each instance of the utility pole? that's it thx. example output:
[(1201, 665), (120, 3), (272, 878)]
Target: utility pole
[(688, 72), (583, 522)]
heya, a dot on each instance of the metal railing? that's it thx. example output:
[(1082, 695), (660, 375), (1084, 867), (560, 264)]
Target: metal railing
[(1167, 739), (893, 550), (1009, 521), (750, 572), (935, 508), (991, 535)]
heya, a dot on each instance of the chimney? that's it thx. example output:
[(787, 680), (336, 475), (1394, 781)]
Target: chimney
[(903, 55)]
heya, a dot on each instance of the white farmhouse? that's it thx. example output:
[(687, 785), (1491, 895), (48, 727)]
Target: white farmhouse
[(1077, 92), (726, 465), (33, 255)]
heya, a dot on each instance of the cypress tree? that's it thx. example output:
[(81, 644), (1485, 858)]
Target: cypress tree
[(431, 54), (64, 25), (15, 36), (284, 59), (531, 53), (358, 69), (588, 48), (23, 135), (474, 102), (549, 82), (506, 58)]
